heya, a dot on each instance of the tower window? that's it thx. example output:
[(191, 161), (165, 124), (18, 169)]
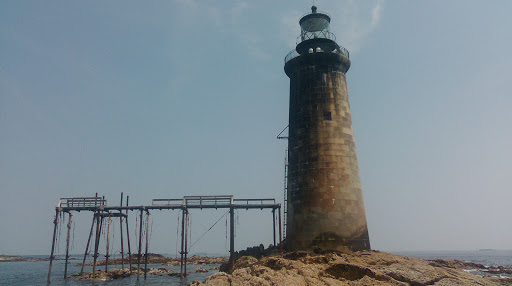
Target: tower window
[(327, 115)]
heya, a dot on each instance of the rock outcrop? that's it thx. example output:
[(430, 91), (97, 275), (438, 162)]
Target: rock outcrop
[(359, 268)]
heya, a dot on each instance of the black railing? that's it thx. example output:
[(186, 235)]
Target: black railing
[(293, 53)]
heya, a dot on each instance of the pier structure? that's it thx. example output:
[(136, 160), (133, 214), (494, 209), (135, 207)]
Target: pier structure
[(102, 211)]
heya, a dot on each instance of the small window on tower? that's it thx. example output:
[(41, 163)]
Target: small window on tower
[(327, 115)]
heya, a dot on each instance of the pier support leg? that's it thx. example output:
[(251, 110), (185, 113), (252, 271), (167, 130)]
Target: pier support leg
[(88, 243), (274, 225), (140, 246), (186, 243), (108, 243), (70, 215), (53, 242), (231, 236), (182, 241), (147, 245), (99, 223), (128, 237), (121, 229)]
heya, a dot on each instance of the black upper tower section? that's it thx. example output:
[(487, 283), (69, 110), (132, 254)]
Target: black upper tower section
[(316, 41)]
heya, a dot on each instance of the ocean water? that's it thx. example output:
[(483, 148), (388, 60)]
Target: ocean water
[(36, 273), (484, 257)]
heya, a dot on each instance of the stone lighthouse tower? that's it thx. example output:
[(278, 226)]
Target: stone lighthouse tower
[(325, 201)]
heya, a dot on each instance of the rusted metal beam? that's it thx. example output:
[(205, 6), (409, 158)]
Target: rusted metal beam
[(99, 223), (88, 242), (53, 241)]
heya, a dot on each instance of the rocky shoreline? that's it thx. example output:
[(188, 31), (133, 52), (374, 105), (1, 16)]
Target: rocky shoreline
[(359, 268), (309, 268)]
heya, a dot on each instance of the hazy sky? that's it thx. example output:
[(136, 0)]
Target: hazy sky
[(161, 99)]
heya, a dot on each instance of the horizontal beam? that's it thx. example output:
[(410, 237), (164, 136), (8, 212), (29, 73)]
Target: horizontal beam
[(171, 207)]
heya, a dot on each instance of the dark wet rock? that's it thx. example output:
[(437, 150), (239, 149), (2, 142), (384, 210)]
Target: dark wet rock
[(153, 258), (160, 271), (201, 270), (114, 274), (198, 260), (160, 259)]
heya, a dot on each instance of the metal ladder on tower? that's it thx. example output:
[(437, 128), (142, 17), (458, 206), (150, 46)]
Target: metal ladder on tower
[(285, 205)]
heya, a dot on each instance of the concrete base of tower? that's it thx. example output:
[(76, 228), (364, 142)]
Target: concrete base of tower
[(339, 233)]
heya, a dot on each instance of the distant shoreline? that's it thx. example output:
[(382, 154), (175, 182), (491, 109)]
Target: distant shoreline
[(17, 258)]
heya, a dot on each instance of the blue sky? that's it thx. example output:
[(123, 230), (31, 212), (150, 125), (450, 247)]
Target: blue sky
[(163, 99)]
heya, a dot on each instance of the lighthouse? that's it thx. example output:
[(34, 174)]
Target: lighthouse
[(325, 208)]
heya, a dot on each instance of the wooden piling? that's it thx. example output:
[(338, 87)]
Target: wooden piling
[(70, 215), (55, 221)]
